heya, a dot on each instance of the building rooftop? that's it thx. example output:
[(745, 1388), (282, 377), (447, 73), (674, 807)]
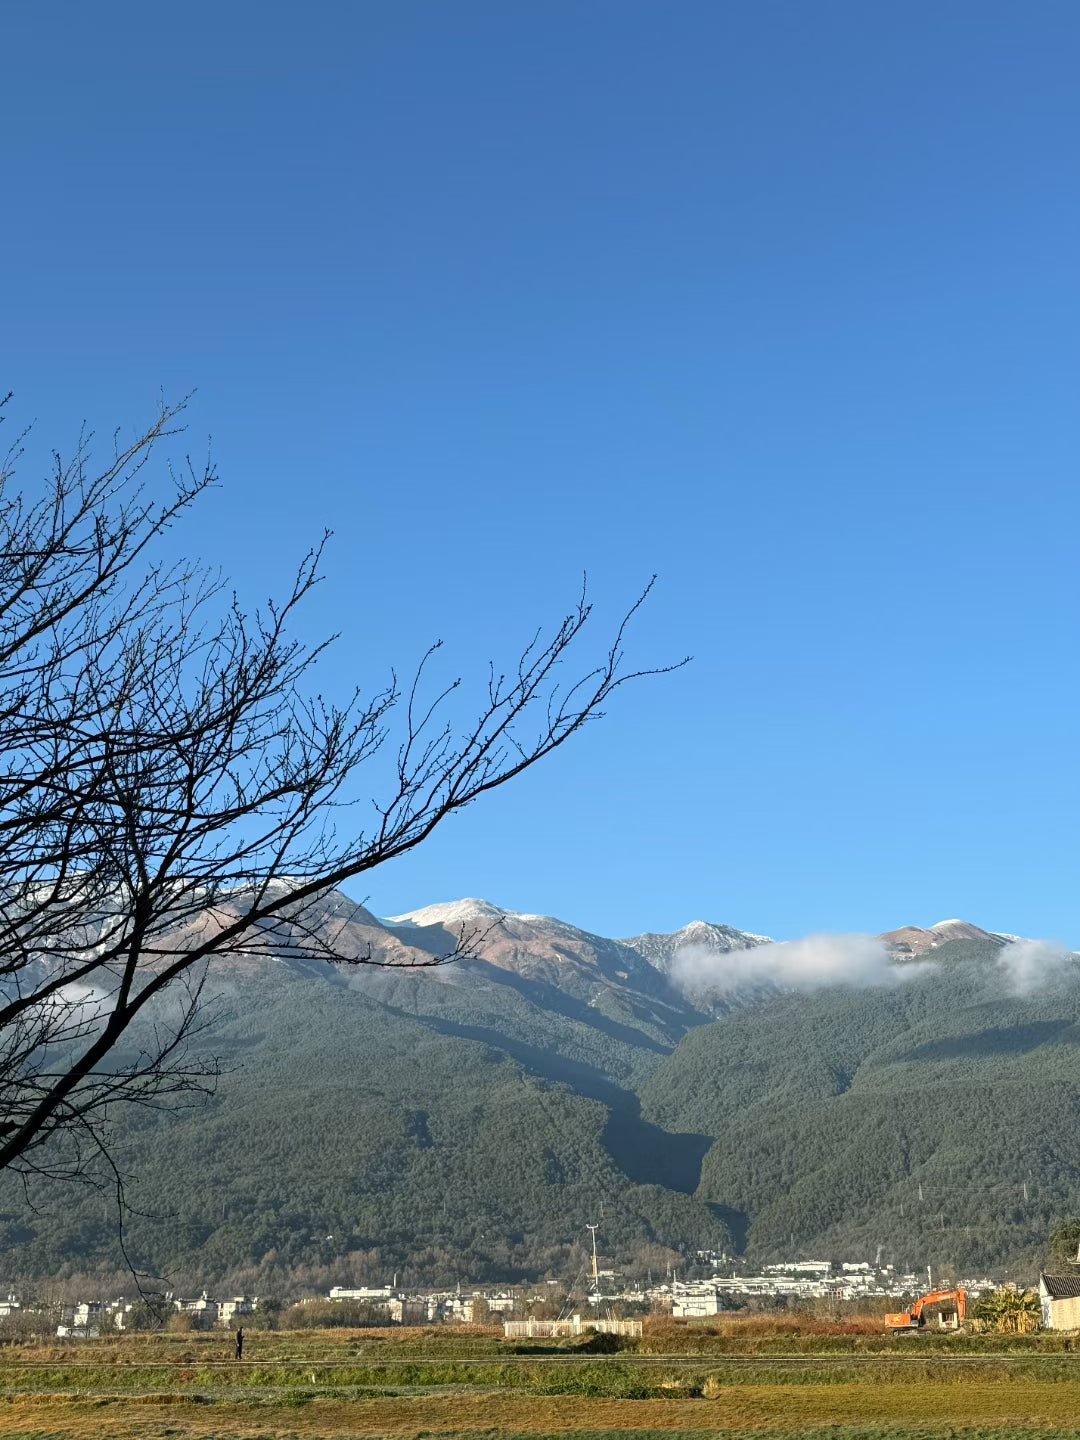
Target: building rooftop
[(1062, 1287)]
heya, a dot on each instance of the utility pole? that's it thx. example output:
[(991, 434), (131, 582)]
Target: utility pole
[(595, 1273)]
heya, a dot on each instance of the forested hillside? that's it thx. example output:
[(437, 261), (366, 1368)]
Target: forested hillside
[(935, 1121), (468, 1122), (464, 1127)]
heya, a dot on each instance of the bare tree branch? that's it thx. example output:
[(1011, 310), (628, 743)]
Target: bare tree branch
[(170, 789)]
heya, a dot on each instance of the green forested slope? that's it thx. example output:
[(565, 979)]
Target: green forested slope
[(833, 1113), (470, 1126), (355, 1139)]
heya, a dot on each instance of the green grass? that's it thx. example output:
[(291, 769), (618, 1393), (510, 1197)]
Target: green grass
[(621, 1376)]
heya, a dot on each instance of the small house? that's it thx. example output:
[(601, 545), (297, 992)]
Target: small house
[(1060, 1299)]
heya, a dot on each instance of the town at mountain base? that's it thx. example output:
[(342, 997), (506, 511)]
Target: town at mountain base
[(469, 1121)]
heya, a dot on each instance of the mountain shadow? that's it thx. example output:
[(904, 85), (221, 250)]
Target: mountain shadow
[(1011, 1040), (737, 1222), (670, 1019), (644, 1152)]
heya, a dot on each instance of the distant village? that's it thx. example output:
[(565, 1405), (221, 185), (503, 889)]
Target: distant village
[(522, 1308)]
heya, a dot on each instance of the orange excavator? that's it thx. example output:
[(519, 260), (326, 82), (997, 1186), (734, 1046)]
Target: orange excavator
[(913, 1319)]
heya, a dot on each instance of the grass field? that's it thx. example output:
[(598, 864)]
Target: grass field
[(853, 1385)]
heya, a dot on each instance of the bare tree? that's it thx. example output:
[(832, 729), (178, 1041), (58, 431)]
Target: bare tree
[(170, 783)]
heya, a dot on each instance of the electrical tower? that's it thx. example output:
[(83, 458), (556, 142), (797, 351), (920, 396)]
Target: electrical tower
[(595, 1273)]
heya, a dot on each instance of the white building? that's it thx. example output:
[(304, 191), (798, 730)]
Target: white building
[(820, 1268), (693, 1300), (500, 1304), (86, 1319), (203, 1311)]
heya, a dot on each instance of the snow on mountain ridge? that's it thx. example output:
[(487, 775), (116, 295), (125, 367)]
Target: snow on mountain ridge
[(450, 912), (506, 932), (697, 927), (660, 949), (482, 912), (913, 940)]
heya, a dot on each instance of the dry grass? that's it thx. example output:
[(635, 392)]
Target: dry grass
[(201, 1347), (758, 1326), (190, 1391), (1030, 1407)]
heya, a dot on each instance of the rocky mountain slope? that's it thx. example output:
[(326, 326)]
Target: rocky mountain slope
[(536, 947), (910, 941), (660, 950)]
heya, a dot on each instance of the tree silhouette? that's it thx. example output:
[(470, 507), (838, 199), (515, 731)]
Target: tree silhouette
[(172, 788)]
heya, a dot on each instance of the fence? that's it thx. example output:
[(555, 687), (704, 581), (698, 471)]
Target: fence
[(533, 1329)]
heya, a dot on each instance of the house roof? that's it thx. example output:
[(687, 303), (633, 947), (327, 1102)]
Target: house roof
[(1061, 1287)]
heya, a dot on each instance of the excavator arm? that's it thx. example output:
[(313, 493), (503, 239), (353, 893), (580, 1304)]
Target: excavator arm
[(934, 1296)]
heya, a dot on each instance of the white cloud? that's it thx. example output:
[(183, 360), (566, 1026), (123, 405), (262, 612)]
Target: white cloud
[(807, 964), (1028, 966), (83, 1005)]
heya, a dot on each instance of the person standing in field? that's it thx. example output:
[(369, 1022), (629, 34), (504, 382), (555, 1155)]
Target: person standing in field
[(240, 1343)]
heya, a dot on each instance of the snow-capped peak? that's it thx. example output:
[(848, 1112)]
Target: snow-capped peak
[(452, 912)]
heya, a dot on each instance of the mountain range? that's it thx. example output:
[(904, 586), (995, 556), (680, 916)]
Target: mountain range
[(468, 1120)]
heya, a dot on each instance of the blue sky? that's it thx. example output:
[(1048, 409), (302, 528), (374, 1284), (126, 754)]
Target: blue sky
[(776, 300)]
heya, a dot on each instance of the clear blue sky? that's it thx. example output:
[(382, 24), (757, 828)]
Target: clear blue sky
[(779, 300)]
